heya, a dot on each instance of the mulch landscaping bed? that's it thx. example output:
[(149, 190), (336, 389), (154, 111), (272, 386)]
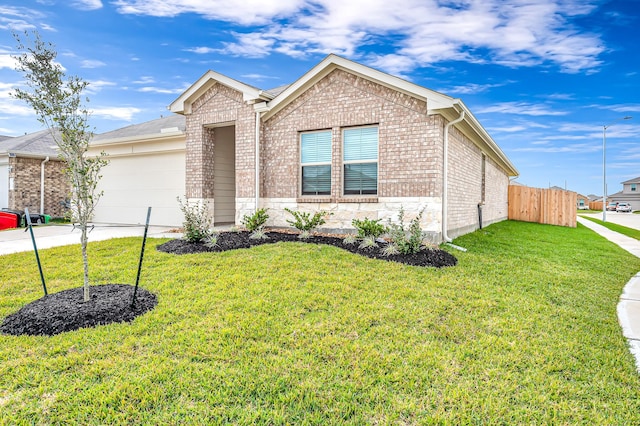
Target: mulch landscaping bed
[(235, 240), (66, 311)]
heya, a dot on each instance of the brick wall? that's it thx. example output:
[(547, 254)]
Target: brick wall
[(219, 104), (25, 173), (465, 186), (409, 148)]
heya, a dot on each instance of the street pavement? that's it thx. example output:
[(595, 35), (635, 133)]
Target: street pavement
[(629, 304)]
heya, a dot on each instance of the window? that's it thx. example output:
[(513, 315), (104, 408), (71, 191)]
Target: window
[(315, 162), (633, 187), (361, 161)]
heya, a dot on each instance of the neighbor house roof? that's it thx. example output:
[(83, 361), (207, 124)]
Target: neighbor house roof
[(634, 180), (164, 126), (269, 102), (38, 144)]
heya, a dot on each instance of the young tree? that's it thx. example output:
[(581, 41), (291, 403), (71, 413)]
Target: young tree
[(58, 103)]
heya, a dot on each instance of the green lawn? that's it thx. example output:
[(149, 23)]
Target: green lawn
[(522, 331), (629, 232)]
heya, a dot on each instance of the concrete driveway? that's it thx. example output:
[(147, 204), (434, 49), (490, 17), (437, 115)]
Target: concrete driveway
[(53, 235)]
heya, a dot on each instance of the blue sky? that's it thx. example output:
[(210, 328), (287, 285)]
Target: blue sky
[(542, 76)]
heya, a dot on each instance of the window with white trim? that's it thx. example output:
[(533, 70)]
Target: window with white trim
[(315, 163), (633, 187), (360, 161)]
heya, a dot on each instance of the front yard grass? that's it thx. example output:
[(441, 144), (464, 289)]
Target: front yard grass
[(522, 331), (624, 230)]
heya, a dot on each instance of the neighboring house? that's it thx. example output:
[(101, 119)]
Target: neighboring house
[(31, 175), (582, 201), (146, 169), (343, 138), (630, 193)]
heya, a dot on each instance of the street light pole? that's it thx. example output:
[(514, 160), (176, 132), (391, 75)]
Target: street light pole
[(604, 166)]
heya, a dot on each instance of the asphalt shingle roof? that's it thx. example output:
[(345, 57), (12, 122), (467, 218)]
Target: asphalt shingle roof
[(153, 127), (37, 143)]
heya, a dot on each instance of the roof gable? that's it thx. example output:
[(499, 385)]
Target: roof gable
[(634, 180), (183, 104), (332, 62)]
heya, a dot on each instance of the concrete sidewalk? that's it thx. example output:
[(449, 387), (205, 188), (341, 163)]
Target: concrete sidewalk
[(629, 305), (54, 235)]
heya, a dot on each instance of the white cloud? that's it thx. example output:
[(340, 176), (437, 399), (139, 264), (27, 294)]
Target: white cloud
[(145, 79), (473, 88), (513, 33), (160, 90), (91, 63), (8, 104), (116, 113), (6, 61), (571, 148), (520, 108), (510, 129), (87, 4), (201, 50), (18, 18), (97, 85), (259, 77), (244, 12)]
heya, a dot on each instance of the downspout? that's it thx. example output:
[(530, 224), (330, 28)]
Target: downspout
[(445, 182), (42, 185), (257, 160)]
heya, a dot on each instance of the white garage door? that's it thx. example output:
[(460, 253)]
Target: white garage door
[(133, 183), (4, 185)]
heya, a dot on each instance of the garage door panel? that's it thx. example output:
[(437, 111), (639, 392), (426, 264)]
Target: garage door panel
[(131, 184)]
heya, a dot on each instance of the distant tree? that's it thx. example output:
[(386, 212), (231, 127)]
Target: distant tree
[(58, 103)]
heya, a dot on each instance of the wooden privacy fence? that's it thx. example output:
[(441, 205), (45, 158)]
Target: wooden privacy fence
[(595, 205), (550, 206)]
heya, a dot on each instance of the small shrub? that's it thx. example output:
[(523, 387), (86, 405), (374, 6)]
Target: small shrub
[(235, 229), (304, 235), (197, 221), (369, 227), (255, 221), (258, 234), (368, 242), (303, 221), (390, 250), (407, 241), (212, 240), (350, 239)]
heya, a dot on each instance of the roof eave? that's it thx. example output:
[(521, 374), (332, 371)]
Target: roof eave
[(139, 138)]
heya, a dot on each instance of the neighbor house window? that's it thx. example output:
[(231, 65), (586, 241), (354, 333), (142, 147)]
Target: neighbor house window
[(633, 187), (361, 161), (315, 162)]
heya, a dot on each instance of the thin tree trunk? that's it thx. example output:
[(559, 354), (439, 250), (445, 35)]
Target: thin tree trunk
[(85, 261)]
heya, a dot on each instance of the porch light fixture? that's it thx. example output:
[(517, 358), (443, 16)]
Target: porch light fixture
[(604, 166)]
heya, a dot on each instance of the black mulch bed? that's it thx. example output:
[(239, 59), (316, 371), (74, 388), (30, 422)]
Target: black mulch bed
[(235, 240), (67, 311)]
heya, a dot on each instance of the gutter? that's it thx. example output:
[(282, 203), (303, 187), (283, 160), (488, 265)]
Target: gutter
[(445, 181), (42, 184)]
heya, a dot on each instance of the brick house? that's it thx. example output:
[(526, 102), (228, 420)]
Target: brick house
[(343, 138), (630, 193), (31, 175)]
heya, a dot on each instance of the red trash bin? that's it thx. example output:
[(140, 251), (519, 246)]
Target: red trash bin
[(9, 220)]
